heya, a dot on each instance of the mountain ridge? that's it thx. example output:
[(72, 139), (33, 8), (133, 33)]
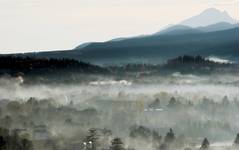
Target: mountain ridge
[(182, 29), (207, 17), (219, 39), (155, 49)]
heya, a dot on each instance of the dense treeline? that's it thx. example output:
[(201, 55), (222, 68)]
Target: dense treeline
[(14, 65), (196, 60), (183, 64), (197, 64), (45, 70)]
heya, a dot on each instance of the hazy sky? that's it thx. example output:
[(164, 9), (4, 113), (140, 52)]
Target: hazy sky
[(34, 25)]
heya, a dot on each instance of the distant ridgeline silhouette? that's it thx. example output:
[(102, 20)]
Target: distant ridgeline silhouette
[(16, 65)]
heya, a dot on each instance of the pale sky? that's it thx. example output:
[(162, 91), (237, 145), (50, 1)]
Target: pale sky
[(36, 25)]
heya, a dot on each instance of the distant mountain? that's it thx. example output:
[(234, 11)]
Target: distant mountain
[(211, 33), (208, 21), (218, 26), (208, 17), (182, 29), (156, 48), (83, 45), (125, 38), (178, 29)]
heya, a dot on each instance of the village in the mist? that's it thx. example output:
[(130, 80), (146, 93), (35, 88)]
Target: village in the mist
[(161, 75), (120, 110)]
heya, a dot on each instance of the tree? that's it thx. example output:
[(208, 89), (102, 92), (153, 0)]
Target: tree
[(140, 131), (236, 142), (117, 144), (205, 144), (225, 101), (170, 137), (172, 102)]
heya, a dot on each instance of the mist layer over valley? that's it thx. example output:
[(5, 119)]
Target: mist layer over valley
[(176, 111)]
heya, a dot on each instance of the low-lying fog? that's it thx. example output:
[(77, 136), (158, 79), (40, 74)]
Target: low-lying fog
[(195, 107), (190, 86)]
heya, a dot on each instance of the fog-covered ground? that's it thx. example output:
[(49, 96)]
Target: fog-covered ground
[(191, 86), (140, 111)]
